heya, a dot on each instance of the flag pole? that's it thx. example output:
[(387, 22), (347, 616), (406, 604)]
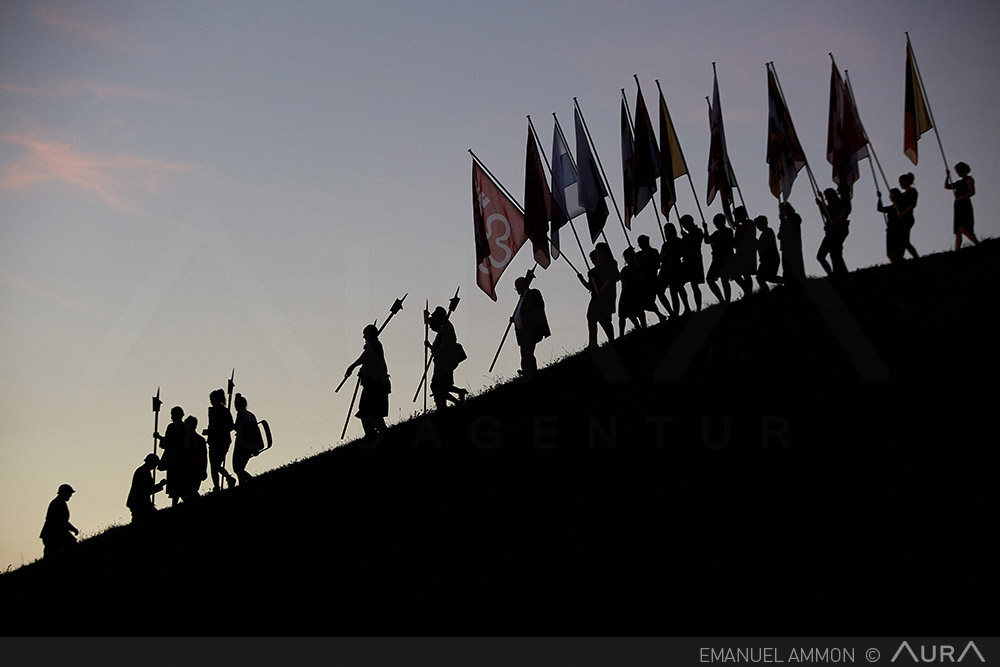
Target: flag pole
[(731, 171), (607, 184), (549, 168), (784, 101), (452, 306), (927, 101), (875, 160), (681, 150), (631, 125), (573, 163), (495, 181), (156, 428)]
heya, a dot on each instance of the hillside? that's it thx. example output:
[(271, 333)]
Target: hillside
[(814, 461)]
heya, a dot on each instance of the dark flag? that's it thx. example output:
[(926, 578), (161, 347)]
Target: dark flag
[(628, 167), (646, 161), (539, 207), (720, 172), (785, 156), (916, 117), (846, 142), (591, 191), (564, 185), (672, 163), (499, 229)]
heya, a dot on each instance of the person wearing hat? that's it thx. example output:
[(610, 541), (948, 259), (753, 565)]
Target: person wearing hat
[(58, 534), (448, 354), (374, 378), (530, 325), (140, 495)]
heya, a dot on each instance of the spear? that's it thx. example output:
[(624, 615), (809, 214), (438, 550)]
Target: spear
[(427, 314), (452, 306), (397, 306), (156, 428), (232, 385)]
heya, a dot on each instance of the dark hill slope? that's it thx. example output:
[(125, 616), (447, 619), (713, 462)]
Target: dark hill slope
[(802, 461)]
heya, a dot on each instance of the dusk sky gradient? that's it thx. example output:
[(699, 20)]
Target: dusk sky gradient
[(192, 187)]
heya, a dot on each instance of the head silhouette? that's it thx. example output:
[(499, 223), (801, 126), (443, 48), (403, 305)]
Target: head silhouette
[(760, 222), (369, 332), (176, 413), (217, 397), (686, 221), (962, 169), (906, 180), (670, 230), (521, 284), (643, 241), (719, 220), (65, 491), (240, 402)]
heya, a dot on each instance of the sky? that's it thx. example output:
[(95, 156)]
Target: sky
[(189, 188)]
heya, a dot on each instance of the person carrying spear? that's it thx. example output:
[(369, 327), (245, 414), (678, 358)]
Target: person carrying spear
[(370, 366), (447, 354), (373, 407)]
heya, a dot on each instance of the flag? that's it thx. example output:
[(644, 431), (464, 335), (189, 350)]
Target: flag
[(846, 142), (539, 206), (499, 229), (672, 163), (591, 191), (916, 117), (564, 185), (720, 172), (646, 161), (784, 152), (628, 167)]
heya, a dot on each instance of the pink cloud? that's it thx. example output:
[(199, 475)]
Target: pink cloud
[(22, 284), (107, 176), (101, 91), (108, 35)]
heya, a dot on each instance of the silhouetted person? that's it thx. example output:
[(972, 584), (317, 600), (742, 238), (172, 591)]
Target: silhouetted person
[(744, 249), (894, 243), (630, 299), (140, 494), (907, 202), (649, 265), (373, 407), (672, 269), (197, 468), (836, 228), (721, 241), (176, 447), (790, 239), (694, 264), (601, 281), (248, 442), (768, 260), (58, 534), (964, 189), (448, 354), (530, 325), (219, 432)]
